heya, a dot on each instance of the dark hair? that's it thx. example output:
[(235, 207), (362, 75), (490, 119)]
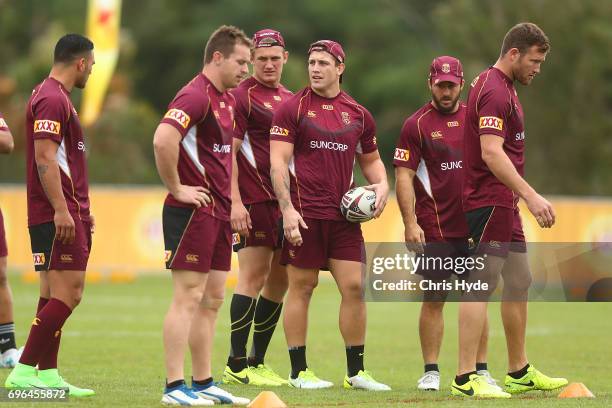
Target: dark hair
[(524, 36), (223, 40), (71, 47)]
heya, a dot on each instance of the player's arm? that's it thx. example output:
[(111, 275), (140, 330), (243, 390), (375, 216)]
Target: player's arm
[(404, 190), (374, 171), (166, 147), (45, 156), (280, 155), (499, 163), (6, 141), (240, 218)]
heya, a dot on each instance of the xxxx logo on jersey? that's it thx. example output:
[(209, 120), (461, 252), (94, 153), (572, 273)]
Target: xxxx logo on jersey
[(3, 123), (49, 126), (401, 154), (491, 122), (179, 116)]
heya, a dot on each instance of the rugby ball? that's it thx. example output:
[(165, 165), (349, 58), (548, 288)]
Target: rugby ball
[(358, 204)]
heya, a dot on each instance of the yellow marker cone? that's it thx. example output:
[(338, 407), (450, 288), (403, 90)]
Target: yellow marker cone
[(267, 399), (576, 390)]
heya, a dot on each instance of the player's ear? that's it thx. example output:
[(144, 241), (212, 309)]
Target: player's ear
[(340, 68), (285, 57), (217, 57), (461, 87)]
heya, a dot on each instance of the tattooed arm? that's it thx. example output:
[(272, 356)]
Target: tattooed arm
[(45, 155), (280, 155)]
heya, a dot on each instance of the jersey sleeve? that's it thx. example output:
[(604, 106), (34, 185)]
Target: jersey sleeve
[(50, 116), (493, 112), (367, 141), (186, 110), (241, 112), (3, 125), (408, 149), (284, 123)]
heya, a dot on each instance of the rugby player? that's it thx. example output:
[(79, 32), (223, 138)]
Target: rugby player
[(316, 137)]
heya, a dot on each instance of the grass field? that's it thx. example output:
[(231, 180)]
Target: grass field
[(112, 343)]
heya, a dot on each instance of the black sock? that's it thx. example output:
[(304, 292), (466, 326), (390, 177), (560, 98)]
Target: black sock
[(431, 367), (520, 373), (201, 383), (463, 378), (481, 366), (297, 355), (354, 359), (267, 313), (174, 384), (7, 336), (242, 309)]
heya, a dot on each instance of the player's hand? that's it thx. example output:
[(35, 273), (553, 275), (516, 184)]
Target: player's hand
[(92, 222), (64, 227), (541, 209), (194, 195), (240, 219), (382, 194), (292, 221), (414, 237)]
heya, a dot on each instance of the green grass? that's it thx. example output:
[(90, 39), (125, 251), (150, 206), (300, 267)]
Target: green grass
[(113, 343)]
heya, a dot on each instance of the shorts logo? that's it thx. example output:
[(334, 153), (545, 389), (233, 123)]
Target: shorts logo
[(401, 154), (446, 68), (495, 244), (267, 105), (279, 131), (47, 126), (277, 98), (235, 238), (328, 107), (346, 118), (167, 256), (192, 258), (291, 253), (35, 321), (39, 259), (66, 258), (436, 134), (3, 123), (311, 114), (491, 122), (452, 124), (260, 234), (179, 116)]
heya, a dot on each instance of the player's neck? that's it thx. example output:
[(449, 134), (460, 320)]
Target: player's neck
[(63, 77), (504, 67), (214, 76), (330, 93), (274, 84)]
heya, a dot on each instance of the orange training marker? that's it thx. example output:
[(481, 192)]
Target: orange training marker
[(576, 390), (267, 399)]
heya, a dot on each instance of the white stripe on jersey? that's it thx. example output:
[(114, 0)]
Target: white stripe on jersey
[(190, 144), (423, 176), (247, 150), (62, 158), (292, 166)]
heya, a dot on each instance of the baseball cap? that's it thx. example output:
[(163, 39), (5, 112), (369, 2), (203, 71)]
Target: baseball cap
[(268, 38), (445, 68), (332, 47)]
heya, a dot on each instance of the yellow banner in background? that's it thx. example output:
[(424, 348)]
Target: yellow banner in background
[(103, 24), (129, 235)]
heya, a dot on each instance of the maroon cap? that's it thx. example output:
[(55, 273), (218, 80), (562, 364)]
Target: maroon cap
[(268, 38), (446, 68), (332, 47)]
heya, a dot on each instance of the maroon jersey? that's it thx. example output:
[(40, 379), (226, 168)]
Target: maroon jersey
[(51, 115), (493, 108), (326, 133), (204, 117), (3, 125), (255, 105), (431, 144)]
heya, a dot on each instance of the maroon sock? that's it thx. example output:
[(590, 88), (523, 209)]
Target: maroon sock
[(45, 326), (48, 359), (41, 303)]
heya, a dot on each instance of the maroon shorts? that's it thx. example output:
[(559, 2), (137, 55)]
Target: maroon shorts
[(324, 240), (50, 254), (267, 222), (3, 247), (196, 241), (496, 230)]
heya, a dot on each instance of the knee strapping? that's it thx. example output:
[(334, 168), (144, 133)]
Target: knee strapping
[(211, 303)]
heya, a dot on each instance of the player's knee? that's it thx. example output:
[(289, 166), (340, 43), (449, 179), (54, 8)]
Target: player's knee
[(211, 303), (352, 290), (304, 287), (3, 279), (433, 305)]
